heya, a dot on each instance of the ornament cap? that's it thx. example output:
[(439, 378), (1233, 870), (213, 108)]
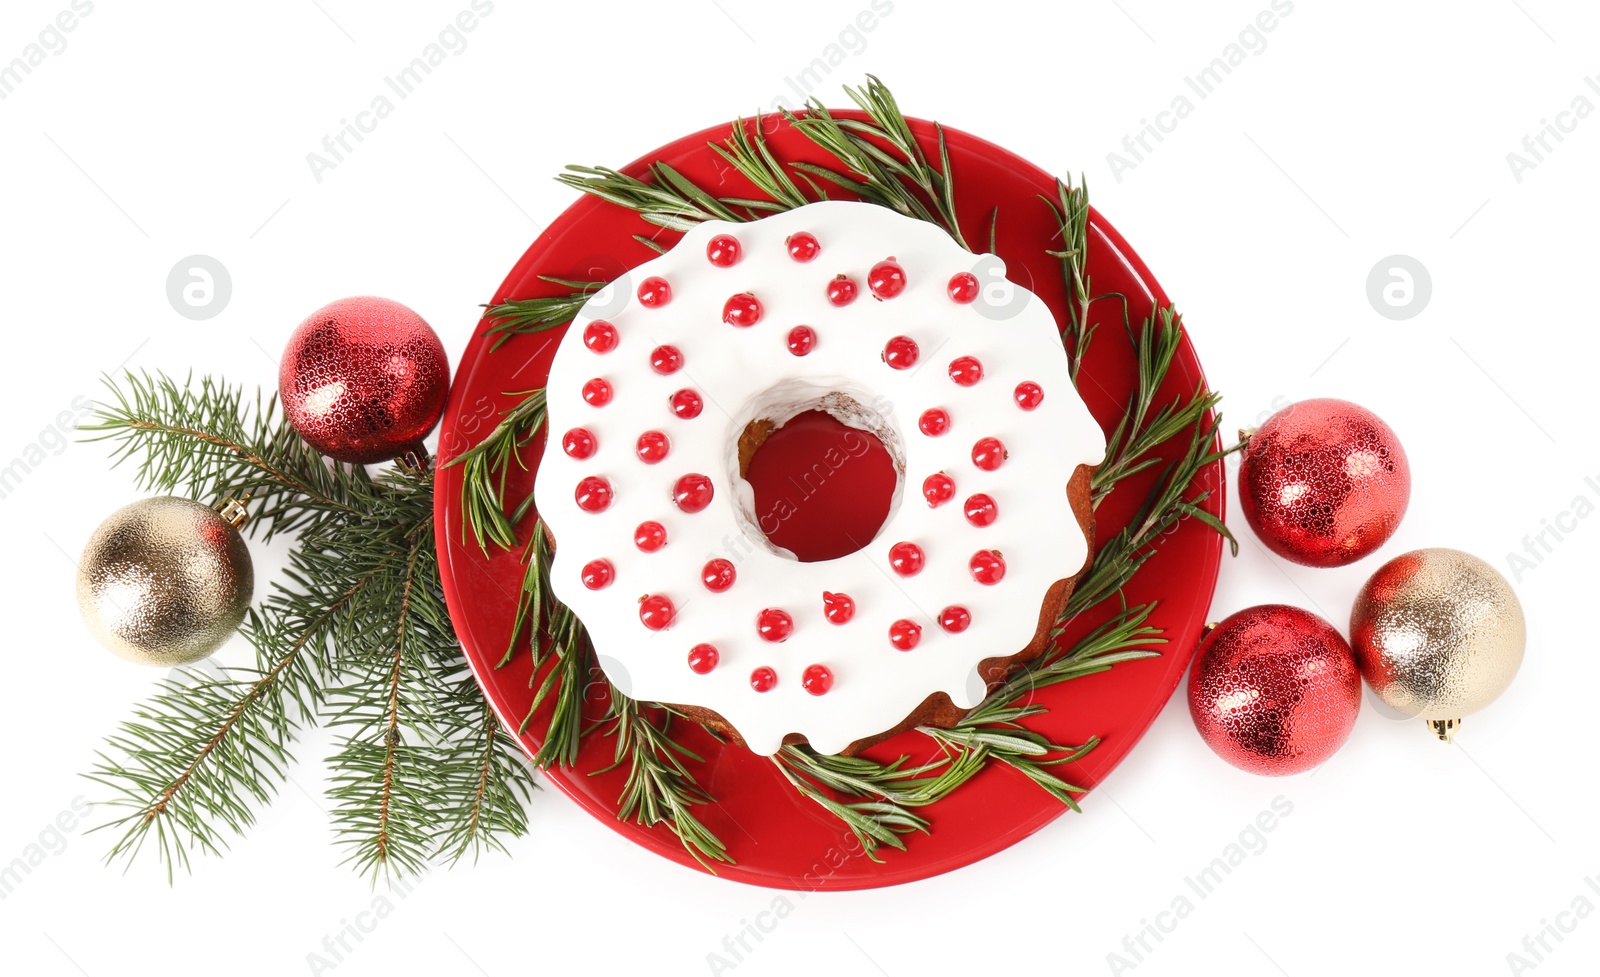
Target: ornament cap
[(234, 512), (1444, 728)]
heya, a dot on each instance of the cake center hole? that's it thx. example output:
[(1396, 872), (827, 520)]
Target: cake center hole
[(822, 488)]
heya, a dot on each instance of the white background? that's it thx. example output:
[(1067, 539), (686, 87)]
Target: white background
[(1361, 130)]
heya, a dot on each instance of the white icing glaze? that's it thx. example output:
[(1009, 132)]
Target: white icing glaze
[(746, 373)]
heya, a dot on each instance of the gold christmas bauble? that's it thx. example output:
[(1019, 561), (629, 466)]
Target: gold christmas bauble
[(165, 581), (1438, 634)]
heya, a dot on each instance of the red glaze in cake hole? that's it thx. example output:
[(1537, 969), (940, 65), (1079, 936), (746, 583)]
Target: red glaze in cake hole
[(774, 624), (593, 494), (838, 608), (988, 454), (650, 536), (687, 404), (934, 421), (723, 250), (955, 619), (703, 658), (763, 679), (842, 290), (816, 679), (598, 574), (656, 612), (652, 447), (907, 559), (938, 489), (742, 310), (905, 635), (597, 392), (981, 510), (963, 287), (654, 292), (803, 246), (802, 339), (579, 443), (966, 370), (692, 492), (718, 575), (600, 336), (1028, 395)]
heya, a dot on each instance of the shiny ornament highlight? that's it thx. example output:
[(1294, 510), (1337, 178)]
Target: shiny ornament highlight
[(364, 380), (1274, 690), (1324, 482), (1438, 634), (164, 581)]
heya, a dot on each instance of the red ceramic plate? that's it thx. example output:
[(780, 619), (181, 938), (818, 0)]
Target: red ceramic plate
[(778, 838)]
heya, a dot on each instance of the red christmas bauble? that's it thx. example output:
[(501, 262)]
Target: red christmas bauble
[(364, 380), (1274, 690), (1324, 482)]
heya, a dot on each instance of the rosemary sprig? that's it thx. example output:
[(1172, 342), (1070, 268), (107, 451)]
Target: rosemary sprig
[(659, 789), (489, 463), (1071, 208), (888, 165), (520, 316)]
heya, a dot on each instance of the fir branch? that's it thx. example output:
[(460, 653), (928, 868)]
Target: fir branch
[(212, 444)]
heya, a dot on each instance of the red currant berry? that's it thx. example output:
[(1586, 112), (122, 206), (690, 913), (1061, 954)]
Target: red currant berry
[(763, 679), (723, 250), (1028, 395), (802, 339), (650, 536), (904, 634), (938, 489), (816, 679), (692, 493), (597, 392), (579, 443), (593, 494), (656, 612), (988, 567), (981, 510), (803, 246), (907, 559), (963, 287), (654, 292), (966, 370), (598, 574), (703, 658), (901, 352), (955, 619), (652, 446), (934, 421), (774, 624), (600, 336), (718, 575), (887, 279), (743, 310), (666, 359), (838, 608), (842, 290), (988, 454), (687, 404)]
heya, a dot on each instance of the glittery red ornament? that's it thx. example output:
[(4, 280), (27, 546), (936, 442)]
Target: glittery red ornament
[(1324, 482), (1274, 690), (364, 380)]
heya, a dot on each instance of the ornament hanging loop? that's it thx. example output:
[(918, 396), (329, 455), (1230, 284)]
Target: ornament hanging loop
[(234, 512), (1444, 728)]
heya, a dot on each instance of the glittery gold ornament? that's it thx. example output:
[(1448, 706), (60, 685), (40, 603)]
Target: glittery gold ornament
[(165, 581), (1438, 634)]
